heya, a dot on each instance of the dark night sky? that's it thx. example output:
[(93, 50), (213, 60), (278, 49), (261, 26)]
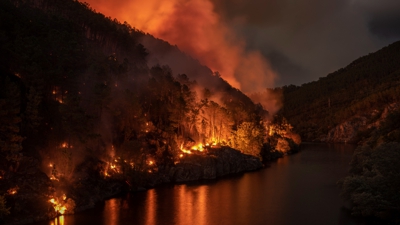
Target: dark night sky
[(299, 41), (307, 39)]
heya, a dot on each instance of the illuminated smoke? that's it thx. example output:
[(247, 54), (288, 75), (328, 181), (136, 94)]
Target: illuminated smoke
[(196, 29)]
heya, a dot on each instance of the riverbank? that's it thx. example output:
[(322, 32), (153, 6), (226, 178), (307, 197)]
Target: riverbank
[(299, 189), (39, 198)]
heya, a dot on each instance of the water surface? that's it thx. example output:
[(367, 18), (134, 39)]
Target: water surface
[(295, 190)]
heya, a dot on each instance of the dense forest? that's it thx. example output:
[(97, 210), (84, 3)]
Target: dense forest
[(80, 102), (358, 104), (364, 88)]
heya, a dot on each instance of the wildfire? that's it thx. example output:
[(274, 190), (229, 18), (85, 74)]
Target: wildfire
[(198, 147), (13, 191), (59, 206)]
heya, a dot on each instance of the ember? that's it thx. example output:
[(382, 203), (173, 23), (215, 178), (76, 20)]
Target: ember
[(13, 191)]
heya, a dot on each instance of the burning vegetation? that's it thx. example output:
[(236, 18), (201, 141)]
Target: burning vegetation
[(98, 118)]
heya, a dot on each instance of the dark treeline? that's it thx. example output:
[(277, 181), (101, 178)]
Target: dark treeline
[(369, 83), (365, 97), (76, 89)]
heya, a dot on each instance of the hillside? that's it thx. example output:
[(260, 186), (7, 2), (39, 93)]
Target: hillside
[(90, 107), (346, 105)]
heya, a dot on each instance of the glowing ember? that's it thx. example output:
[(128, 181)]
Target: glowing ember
[(181, 155), (52, 177), (64, 145), (151, 162), (12, 191), (50, 165), (186, 151)]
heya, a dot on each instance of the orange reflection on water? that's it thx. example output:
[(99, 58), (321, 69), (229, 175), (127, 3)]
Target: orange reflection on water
[(151, 206), (58, 221), (191, 205), (283, 161), (111, 214)]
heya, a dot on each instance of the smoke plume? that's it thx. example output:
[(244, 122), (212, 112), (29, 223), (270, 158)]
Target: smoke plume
[(198, 30)]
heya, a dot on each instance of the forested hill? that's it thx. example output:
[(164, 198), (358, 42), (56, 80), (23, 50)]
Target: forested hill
[(347, 101), (89, 104)]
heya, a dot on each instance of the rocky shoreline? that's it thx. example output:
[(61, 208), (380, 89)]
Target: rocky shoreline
[(89, 187)]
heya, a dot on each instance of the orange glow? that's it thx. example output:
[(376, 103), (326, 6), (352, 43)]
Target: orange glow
[(59, 206), (52, 177), (64, 145), (196, 28), (151, 207), (12, 191), (59, 220), (151, 162)]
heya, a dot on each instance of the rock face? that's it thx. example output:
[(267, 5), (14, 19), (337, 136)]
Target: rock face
[(216, 163), (348, 131)]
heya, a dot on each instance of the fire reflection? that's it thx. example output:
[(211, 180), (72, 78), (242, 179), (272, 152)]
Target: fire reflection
[(58, 221), (151, 206), (111, 212), (191, 205)]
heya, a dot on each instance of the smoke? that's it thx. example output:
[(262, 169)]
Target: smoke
[(195, 27), (270, 99)]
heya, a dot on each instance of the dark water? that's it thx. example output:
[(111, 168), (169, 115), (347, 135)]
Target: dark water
[(297, 189)]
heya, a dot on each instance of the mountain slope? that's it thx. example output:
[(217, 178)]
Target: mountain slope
[(364, 90)]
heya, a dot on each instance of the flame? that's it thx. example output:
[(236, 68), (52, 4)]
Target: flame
[(198, 147), (59, 206), (151, 162)]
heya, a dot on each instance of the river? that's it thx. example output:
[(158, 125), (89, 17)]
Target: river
[(299, 189)]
